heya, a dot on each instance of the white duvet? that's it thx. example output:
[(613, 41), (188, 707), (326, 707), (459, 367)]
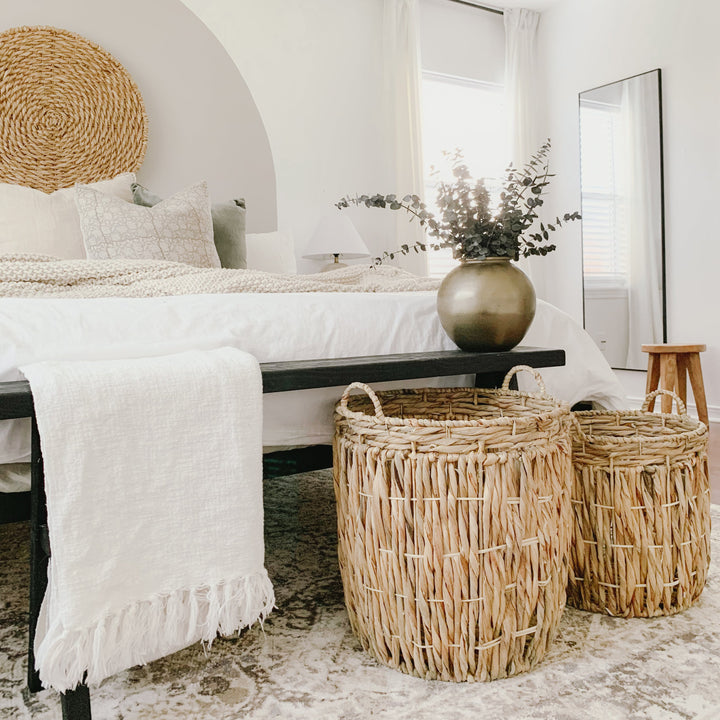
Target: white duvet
[(272, 327)]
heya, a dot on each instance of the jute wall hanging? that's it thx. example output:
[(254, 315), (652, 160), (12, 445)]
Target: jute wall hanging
[(69, 111)]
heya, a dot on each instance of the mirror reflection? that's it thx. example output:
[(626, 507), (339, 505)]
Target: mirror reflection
[(622, 217)]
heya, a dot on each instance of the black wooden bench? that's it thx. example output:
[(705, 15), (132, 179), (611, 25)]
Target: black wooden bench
[(16, 402)]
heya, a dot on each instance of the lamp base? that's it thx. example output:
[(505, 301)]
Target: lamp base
[(334, 265)]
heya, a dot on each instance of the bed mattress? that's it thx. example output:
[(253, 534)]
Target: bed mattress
[(273, 327)]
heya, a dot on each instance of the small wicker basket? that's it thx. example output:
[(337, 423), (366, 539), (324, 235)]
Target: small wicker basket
[(641, 501), (453, 526)]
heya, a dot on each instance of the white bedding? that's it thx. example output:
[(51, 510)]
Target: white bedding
[(272, 327)]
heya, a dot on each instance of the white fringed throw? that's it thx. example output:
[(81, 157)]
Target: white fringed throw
[(153, 472)]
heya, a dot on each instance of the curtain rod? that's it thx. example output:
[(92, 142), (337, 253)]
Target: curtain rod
[(477, 6)]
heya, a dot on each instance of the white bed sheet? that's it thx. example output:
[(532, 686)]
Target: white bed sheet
[(272, 327)]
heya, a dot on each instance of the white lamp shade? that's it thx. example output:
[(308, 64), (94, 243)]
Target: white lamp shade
[(336, 235)]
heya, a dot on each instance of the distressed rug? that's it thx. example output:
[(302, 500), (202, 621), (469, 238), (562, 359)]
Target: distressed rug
[(305, 664)]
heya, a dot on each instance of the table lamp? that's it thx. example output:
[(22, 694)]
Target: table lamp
[(335, 237)]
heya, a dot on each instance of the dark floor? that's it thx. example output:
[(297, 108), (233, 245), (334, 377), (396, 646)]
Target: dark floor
[(714, 454)]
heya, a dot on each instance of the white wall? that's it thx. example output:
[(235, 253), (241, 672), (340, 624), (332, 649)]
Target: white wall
[(462, 41), (315, 71), (586, 43)]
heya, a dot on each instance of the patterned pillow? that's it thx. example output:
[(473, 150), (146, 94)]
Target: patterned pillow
[(228, 220), (177, 229)]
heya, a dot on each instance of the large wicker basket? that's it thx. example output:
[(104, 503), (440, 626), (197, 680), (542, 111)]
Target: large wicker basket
[(641, 501), (453, 525)]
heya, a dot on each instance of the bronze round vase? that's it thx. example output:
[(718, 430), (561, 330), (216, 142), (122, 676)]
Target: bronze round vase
[(486, 304)]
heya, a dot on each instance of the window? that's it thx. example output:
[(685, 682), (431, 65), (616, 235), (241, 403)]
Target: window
[(605, 241), (469, 115)]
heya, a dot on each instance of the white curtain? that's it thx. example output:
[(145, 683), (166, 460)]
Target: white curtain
[(520, 83), (402, 89), (520, 92), (642, 196)]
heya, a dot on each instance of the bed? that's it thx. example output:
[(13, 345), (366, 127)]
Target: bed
[(302, 326)]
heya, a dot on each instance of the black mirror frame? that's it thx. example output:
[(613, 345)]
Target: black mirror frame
[(662, 199)]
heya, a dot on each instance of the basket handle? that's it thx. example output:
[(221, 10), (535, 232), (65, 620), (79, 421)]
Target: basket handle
[(578, 428), (533, 371), (650, 398), (369, 392)]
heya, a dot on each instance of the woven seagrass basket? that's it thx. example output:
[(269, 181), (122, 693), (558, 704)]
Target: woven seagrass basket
[(453, 526), (641, 502)]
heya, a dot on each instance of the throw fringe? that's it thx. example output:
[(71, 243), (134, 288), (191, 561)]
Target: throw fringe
[(150, 629)]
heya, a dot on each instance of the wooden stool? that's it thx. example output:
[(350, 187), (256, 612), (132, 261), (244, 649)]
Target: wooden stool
[(667, 368)]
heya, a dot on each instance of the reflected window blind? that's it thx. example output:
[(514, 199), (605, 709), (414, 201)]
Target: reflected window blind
[(605, 246)]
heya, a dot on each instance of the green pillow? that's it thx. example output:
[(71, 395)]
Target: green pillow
[(228, 221)]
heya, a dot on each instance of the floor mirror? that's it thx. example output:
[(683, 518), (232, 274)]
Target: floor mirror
[(623, 225)]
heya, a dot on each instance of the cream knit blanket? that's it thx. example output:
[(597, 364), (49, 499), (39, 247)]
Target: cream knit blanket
[(45, 276)]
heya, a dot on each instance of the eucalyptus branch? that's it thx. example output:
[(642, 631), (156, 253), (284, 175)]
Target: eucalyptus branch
[(466, 222), (383, 201), (404, 250)]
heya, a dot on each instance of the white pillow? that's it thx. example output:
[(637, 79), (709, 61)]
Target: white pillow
[(32, 221), (177, 229), (272, 252)]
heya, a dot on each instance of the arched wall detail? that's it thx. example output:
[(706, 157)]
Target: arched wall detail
[(203, 121)]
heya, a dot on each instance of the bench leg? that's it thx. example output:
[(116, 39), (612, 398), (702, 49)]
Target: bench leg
[(76, 704), (38, 555)]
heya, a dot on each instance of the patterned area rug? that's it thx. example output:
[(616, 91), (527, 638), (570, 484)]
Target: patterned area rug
[(306, 664)]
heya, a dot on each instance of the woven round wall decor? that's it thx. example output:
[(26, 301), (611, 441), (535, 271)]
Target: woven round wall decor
[(69, 111)]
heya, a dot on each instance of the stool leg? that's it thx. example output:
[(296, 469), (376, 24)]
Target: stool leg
[(682, 373), (698, 387), (668, 379), (653, 377)]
